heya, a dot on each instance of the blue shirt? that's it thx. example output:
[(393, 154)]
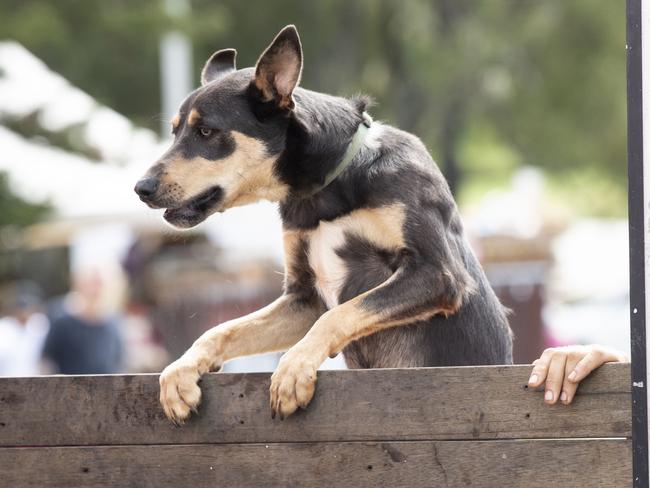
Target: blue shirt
[(77, 347)]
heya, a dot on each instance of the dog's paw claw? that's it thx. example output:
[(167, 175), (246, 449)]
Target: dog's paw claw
[(180, 394), (292, 386)]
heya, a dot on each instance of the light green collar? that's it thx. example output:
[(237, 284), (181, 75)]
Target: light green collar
[(351, 151)]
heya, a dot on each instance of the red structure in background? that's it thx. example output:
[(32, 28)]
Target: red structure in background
[(517, 269)]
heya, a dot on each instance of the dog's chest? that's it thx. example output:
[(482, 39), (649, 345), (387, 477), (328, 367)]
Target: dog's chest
[(356, 243), (328, 267)]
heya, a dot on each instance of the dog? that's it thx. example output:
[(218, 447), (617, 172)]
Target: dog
[(376, 262)]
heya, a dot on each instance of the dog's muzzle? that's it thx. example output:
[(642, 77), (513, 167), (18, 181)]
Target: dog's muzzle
[(195, 210)]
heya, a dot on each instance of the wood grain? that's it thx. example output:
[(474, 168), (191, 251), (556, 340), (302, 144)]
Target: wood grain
[(489, 464), (361, 405)]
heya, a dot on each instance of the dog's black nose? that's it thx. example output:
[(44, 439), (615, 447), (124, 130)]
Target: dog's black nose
[(146, 187)]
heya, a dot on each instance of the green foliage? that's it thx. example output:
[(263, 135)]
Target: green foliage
[(107, 48), (489, 85), (14, 211)]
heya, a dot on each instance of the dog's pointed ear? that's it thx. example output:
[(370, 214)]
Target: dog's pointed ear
[(278, 70), (220, 64)]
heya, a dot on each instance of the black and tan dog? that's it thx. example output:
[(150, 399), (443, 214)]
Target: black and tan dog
[(377, 265)]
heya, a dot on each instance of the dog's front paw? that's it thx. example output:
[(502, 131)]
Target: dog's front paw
[(179, 392), (292, 384)]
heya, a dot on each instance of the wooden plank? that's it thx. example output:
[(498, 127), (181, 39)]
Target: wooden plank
[(503, 464), (397, 404)]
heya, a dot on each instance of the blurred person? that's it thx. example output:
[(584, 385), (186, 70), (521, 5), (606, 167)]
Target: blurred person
[(23, 332), (85, 338), (561, 369)]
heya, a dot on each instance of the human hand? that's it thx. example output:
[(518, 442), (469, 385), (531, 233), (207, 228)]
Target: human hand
[(561, 369)]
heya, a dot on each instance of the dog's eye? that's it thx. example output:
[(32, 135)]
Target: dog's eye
[(205, 132)]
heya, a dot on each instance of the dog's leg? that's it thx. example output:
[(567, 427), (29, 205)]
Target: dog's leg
[(416, 291), (275, 327)]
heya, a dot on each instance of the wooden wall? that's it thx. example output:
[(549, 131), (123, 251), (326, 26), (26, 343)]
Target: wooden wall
[(439, 427)]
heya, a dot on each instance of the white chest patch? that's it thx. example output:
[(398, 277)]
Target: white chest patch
[(328, 267), (381, 226)]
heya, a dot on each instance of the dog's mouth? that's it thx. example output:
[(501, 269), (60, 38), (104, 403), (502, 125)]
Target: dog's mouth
[(194, 211)]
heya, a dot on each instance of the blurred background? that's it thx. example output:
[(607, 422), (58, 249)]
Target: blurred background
[(522, 103)]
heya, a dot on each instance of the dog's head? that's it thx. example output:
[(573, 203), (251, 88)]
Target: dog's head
[(228, 135)]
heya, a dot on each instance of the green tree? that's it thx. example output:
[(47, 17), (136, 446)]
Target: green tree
[(15, 211), (488, 85)]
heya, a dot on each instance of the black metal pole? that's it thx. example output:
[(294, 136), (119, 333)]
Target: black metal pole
[(637, 244)]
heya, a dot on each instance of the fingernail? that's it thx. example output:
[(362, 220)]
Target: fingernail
[(563, 396), (548, 396), (533, 379), (572, 376)]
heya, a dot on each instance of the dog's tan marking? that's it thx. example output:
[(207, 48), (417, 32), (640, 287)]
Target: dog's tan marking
[(291, 240), (382, 226), (263, 86), (246, 175), (193, 117), (350, 321), (176, 120), (276, 327)]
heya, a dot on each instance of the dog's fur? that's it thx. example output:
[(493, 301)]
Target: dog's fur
[(377, 264)]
